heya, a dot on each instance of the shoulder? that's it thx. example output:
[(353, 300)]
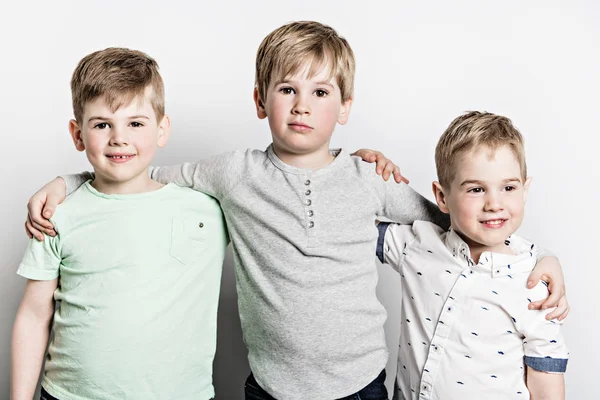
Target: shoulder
[(188, 196), (428, 234), (362, 169), (76, 204), (419, 233)]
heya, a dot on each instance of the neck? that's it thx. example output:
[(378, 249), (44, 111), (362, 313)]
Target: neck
[(310, 160), (138, 184)]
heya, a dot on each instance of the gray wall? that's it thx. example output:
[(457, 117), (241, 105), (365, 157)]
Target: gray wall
[(419, 65)]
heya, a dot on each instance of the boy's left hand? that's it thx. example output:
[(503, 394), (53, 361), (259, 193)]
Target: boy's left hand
[(384, 167), (548, 269)]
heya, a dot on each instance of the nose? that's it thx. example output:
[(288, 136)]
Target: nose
[(301, 105), (118, 137), (493, 201)]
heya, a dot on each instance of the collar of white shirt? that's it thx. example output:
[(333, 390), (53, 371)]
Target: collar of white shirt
[(498, 264)]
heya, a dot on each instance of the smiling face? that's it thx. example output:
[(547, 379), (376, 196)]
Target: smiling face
[(486, 198), (302, 113), (120, 144)]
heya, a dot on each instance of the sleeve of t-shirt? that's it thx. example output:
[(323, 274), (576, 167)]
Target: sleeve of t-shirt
[(214, 176), (398, 201), (392, 242), (41, 261), (543, 343)]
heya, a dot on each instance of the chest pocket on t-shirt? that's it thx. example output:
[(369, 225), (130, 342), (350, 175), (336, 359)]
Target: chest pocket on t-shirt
[(188, 240)]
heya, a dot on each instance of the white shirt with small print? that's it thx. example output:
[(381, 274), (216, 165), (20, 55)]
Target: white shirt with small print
[(466, 331)]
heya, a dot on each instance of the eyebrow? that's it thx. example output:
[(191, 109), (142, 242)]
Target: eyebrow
[(475, 181), (320, 83), (108, 119)]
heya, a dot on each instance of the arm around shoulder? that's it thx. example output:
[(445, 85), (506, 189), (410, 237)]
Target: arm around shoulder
[(214, 176), (401, 203)]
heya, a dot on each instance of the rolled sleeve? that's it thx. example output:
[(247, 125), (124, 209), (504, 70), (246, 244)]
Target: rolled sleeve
[(382, 228), (547, 364)]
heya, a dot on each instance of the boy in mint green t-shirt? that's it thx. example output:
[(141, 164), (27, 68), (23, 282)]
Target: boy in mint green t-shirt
[(135, 265)]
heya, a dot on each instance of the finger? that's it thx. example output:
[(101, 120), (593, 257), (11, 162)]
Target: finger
[(534, 277), (43, 229), (51, 204), (556, 293), (536, 305), (27, 231), (34, 209), (389, 170), (381, 161), (33, 231), (398, 175), (560, 309), (565, 314)]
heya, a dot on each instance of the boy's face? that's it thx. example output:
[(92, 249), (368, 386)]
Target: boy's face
[(486, 199), (303, 111), (120, 145)]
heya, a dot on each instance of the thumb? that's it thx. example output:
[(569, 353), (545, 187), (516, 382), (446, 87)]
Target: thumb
[(534, 277), (50, 206)]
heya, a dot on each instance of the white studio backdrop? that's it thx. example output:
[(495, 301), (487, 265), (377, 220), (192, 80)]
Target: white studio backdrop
[(419, 65)]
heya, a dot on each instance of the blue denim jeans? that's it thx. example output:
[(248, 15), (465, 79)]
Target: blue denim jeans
[(46, 396), (373, 391)]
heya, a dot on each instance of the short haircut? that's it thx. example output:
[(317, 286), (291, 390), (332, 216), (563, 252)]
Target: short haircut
[(119, 76), (289, 48), (472, 130)]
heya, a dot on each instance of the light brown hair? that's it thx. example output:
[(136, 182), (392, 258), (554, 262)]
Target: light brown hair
[(472, 130), (119, 76), (290, 47)]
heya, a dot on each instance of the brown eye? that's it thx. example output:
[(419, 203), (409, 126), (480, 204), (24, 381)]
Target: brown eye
[(321, 93)]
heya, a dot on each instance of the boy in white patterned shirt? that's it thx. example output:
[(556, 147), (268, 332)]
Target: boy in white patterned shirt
[(466, 331)]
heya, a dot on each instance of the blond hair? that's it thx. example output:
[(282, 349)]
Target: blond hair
[(117, 75), (471, 130), (290, 47)]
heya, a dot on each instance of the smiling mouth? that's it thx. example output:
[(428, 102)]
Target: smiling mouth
[(494, 223), (120, 158)]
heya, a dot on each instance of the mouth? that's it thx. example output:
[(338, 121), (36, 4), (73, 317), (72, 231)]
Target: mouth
[(493, 223), (120, 158), (300, 127)]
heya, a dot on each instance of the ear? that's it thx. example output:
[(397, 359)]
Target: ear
[(164, 131), (345, 111), (75, 131), (526, 188), (440, 197), (260, 106)]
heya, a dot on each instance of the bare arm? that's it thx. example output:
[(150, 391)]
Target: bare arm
[(30, 337), (545, 386)]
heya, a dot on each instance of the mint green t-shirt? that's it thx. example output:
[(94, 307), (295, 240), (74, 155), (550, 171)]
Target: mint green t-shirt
[(139, 278)]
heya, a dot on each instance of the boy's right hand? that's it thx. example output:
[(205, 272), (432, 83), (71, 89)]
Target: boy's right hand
[(41, 207)]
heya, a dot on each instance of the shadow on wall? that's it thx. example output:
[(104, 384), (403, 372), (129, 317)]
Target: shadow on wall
[(230, 367)]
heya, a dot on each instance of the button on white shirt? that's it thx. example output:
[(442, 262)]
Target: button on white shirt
[(466, 331)]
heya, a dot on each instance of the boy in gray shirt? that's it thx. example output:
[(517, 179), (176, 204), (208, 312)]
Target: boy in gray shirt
[(301, 219)]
